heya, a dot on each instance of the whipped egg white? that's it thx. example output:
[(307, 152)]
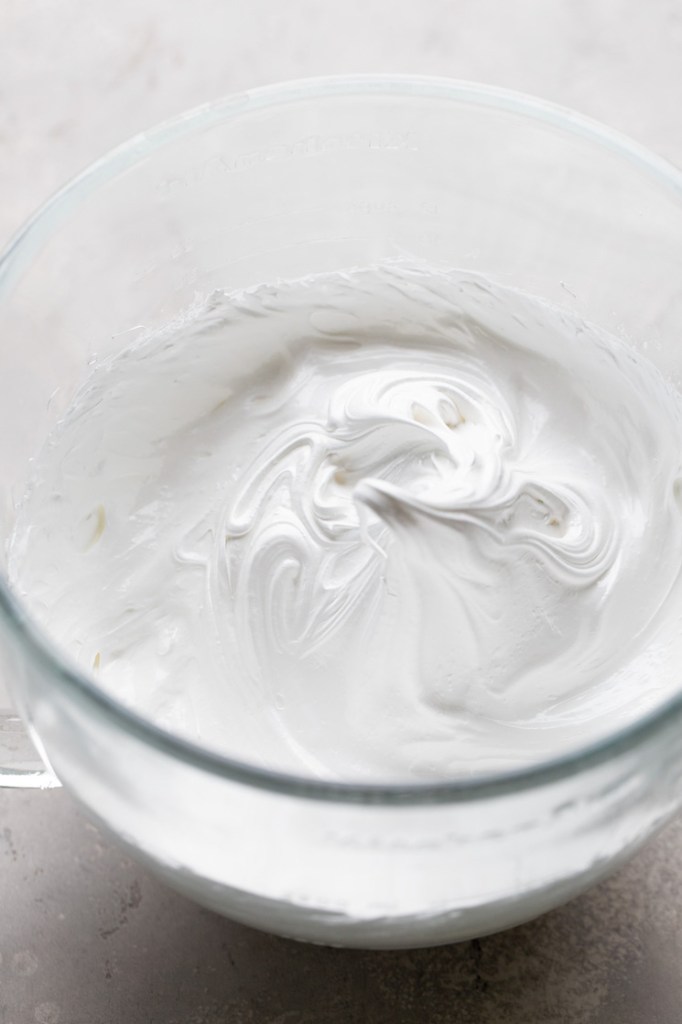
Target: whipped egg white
[(393, 523)]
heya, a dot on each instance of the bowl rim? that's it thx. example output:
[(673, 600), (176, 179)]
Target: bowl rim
[(25, 243)]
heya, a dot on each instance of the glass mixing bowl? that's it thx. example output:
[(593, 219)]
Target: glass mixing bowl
[(281, 182)]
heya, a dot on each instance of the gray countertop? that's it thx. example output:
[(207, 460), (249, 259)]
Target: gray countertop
[(87, 936)]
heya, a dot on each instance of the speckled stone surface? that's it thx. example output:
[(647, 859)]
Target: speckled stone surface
[(88, 937)]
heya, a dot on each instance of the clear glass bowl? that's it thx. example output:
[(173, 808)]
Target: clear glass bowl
[(286, 181)]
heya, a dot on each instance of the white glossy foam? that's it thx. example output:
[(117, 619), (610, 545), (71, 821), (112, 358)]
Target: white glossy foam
[(391, 523)]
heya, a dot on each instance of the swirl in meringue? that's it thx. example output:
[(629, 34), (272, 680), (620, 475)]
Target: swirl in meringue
[(398, 522)]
